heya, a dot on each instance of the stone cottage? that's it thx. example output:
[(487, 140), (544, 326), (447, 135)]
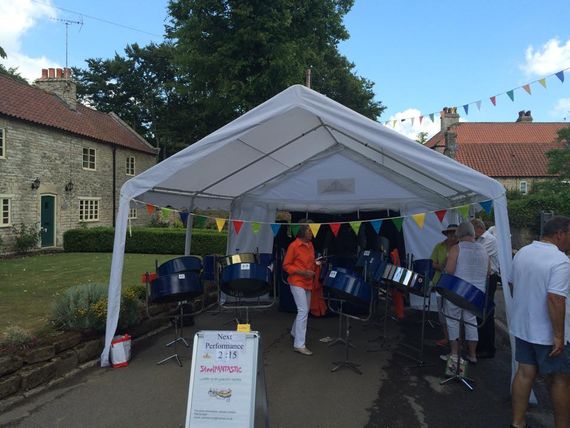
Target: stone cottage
[(62, 164), (513, 153)]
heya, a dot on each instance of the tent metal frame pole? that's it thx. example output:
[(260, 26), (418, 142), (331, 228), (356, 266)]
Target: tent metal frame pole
[(261, 158), (394, 160)]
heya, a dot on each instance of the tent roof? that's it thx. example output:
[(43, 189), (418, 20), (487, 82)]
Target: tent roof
[(303, 151)]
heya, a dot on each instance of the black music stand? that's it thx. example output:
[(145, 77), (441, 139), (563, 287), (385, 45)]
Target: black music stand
[(465, 305)]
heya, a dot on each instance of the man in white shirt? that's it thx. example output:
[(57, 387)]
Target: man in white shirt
[(486, 344), (540, 320)]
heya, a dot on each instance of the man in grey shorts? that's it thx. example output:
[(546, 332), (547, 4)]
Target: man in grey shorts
[(540, 320)]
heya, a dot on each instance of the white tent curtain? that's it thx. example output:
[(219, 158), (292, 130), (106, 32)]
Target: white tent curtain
[(301, 151)]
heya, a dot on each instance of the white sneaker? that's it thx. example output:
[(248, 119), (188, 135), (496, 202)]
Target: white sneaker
[(304, 350)]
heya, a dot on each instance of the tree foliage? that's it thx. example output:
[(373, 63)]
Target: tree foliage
[(140, 88), (10, 71), (559, 159), (236, 54)]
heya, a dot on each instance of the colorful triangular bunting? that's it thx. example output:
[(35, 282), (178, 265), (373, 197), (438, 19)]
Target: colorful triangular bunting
[(376, 225), (440, 215), (275, 228), (165, 212), (432, 116), (294, 229), (335, 227), (150, 209), (478, 105), (466, 108), (255, 226), (511, 94), (355, 226), (543, 83), (419, 219), (314, 228), (487, 206), (183, 217), (237, 225), (464, 211), (199, 221), (493, 100), (560, 75), (398, 221), (527, 89), (220, 222)]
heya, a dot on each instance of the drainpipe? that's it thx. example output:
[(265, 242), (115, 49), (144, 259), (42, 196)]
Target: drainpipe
[(114, 148)]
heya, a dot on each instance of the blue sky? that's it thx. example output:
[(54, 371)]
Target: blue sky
[(422, 55)]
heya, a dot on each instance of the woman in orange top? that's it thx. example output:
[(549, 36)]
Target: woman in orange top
[(299, 263)]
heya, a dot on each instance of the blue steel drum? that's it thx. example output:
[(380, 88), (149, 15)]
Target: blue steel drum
[(347, 286), (378, 274), (180, 264), (245, 280), (425, 267), (176, 287), (463, 294), (368, 262), (265, 258)]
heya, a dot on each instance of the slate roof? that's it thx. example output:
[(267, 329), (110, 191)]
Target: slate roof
[(31, 104), (504, 149)]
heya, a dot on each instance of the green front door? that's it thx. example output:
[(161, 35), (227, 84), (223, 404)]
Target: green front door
[(47, 219)]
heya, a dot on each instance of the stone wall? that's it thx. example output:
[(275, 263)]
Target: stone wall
[(56, 158)]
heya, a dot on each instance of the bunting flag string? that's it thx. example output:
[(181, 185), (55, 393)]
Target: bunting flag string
[(527, 87), (419, 218)]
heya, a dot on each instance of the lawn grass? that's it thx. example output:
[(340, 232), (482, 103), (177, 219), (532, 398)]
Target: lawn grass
[(29, 285)]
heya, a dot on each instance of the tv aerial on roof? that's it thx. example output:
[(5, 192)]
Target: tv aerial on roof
[(67, 23)]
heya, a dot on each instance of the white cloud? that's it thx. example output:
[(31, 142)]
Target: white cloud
[(561, 110), (18, 17), (550, 58), (411, 131)]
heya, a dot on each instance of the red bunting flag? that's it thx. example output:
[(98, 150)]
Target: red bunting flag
[(527, 88), (335, 227), (440, 215), (494, 100), (237, 225), (150, 209)]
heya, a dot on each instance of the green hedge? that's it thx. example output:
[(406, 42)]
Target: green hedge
[(525, 212), (145, 240)]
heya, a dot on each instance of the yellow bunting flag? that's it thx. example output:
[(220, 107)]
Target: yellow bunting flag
[(220, 222), (255, 227), (355, 226), (542, 82), (419, 219), (315, 228), (464, 211)]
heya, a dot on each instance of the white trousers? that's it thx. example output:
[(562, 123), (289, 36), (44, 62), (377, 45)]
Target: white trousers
[(302, 299), (470, 320)]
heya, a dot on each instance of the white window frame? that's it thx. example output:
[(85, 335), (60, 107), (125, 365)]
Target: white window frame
[(89, 149), (130, 169), (523, 183), (2, 143), (6, 199), (93, 204), (133, 214)]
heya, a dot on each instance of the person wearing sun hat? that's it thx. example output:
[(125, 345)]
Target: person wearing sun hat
[(438, 258)]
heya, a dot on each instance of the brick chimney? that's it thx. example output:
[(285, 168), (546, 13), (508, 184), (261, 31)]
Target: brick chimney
[(524, 116), (449, 118), (58, 81)]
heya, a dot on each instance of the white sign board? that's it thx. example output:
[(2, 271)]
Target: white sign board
[(223, 379)]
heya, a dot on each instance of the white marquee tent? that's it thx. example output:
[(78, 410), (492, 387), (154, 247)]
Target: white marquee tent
[(301, 151)]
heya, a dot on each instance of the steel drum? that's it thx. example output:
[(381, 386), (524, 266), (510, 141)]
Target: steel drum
[(235, 259), (347, 286), (180, 264), (463, 294), (176, 287), (245, 280), (425, 267), (369, 262)]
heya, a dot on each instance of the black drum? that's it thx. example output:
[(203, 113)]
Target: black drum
[(180, 264), (176, 287), (463, 294), (347, 286), (245, 280)]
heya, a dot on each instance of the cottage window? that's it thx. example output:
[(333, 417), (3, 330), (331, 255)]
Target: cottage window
[(5, 216), (523, 187), (130, 165), (89, 158), (133, 213), (2, 143), (89, 209)]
